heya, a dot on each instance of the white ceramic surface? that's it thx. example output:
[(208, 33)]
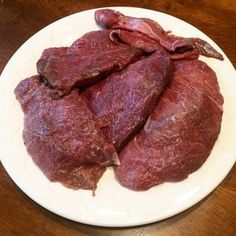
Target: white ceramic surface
[(113, 205)]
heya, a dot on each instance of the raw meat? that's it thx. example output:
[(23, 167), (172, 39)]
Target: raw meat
[(88, 60), (53, 52), (59, 167), (125, 99), (115, 20), (179, 134), (94, 42), (135, 39), (139, 40), (66, 124)]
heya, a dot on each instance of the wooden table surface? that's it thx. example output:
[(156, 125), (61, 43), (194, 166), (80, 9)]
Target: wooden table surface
[(19, 215)]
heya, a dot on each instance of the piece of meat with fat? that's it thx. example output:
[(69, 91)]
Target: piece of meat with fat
[(175, 44), (125, 99), (89, 59), (67, 124), (180, 132)]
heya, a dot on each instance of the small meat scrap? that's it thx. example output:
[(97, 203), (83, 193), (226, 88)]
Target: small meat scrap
[(66, 124), (174, 44), (125, 99), (180, 132), (89, 59)]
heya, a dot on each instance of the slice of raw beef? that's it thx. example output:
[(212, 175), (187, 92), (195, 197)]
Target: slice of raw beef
[(53, 52), (66, 125), (139, 40), (58, 167), (89, 59), (180, 132), (125, 99), (175, 44)]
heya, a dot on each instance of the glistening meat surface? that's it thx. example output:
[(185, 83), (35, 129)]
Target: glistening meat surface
[(180, 132), (89, 59), (125, 99)]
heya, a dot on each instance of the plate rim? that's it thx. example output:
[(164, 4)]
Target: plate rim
[(19, 185)]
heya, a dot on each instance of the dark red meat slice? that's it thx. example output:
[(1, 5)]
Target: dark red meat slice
[(180, 133), (125, 99), (67, 124), (88, 60), (53, 52), (139, 40), (115, 20), (94, 42), (135, 39), (59, 167)]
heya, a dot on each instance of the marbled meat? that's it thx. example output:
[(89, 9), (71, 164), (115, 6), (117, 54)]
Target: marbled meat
[(89, 59), (179, 134), (125, 99), (58, 167), (67, 127)]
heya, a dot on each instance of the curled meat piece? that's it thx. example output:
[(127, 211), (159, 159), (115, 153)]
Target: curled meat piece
[(174, 44), (135, 39), (115, 20), (139, 40)]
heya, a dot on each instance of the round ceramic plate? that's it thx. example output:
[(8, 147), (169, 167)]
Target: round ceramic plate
[(113, 204)]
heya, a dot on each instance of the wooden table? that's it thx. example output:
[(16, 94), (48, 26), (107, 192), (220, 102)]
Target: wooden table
[(215, 215)]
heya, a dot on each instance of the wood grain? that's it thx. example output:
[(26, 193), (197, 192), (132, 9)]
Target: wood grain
[(215, 215)]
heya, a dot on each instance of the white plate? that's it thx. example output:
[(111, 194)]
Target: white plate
[(113, 205)]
